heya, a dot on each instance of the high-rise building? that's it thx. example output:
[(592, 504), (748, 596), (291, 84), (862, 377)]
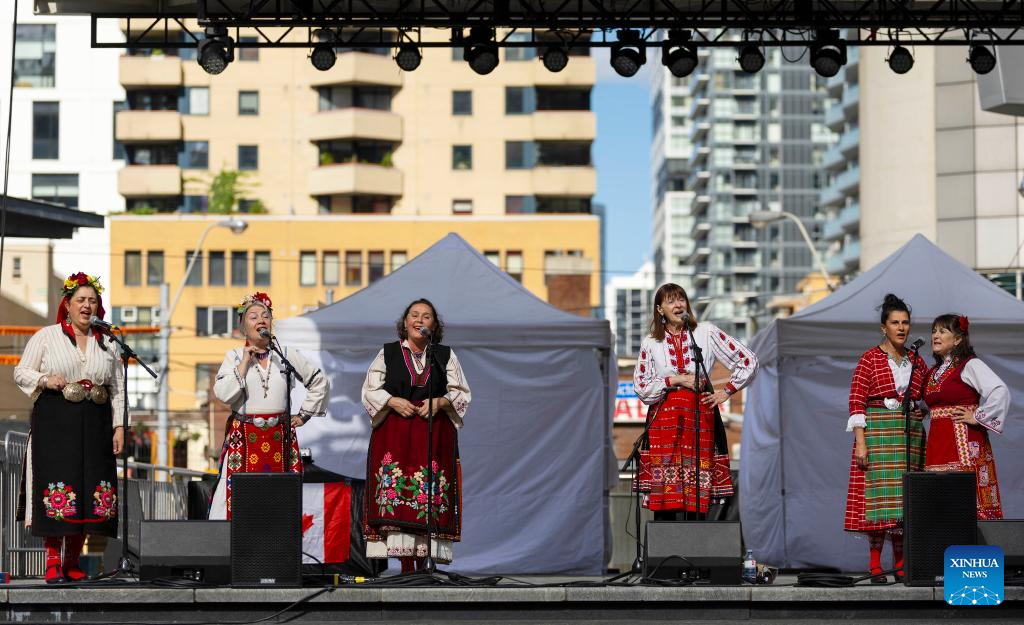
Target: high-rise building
[(754, 142), (628, 301)]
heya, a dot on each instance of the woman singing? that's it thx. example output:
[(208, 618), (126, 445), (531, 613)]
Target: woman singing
[(664, 379), (874, 500), (966, 400), (398, 384), (77, 382), (251, 382)]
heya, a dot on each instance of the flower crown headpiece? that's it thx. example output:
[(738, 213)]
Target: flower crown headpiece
[(964, 324), (76, 280), (255, 298)]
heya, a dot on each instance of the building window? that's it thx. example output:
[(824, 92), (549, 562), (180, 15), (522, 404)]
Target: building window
[(194, 203), (216, 269), (35, 52), (45, 130), (398, 259), (195, 155), (331, 268), (132, 268), (56, 188), (462, 102), (151, 154), (561, 204), (239, 268), (307, 269), (494, 256), (261, 268), (462, 157), (520, 204), (195, 277), (248, 157), (523, 53), (519, 101), (374, 266), (563, 153), (562, 99), (514, 265), (119, 153), (195, 101), (248, 102), (214, 321), (462, 207), (154, 268), (16, 271), (250, 206), (353, 268), (248, 54), (355, 96), (519, 154)]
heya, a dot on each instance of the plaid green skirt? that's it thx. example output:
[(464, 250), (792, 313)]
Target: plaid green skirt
[(883, 481)]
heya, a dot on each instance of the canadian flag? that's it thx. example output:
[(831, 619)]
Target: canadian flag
[(326, 522)]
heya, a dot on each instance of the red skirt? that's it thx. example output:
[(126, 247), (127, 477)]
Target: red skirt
[(956, 446), (668, 466), (249, 448)]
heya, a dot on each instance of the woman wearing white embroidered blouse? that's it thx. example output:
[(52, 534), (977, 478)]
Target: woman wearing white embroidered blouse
[(250, 381), (664, 379)]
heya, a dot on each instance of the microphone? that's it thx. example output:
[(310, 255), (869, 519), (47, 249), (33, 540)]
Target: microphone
[(916, 345), (685, 317), (265, 334), (425, 332), (96, 322)]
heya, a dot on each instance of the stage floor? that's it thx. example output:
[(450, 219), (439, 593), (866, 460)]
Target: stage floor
[(523, 599)]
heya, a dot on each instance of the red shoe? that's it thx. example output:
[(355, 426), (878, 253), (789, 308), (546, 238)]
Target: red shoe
[(74, 573), (54, 574)]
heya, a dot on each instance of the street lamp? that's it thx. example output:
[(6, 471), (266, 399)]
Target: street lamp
[(237, 226), (760, 219)]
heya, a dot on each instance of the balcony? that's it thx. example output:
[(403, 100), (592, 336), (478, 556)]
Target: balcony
[(150, 71), (848, 182), (851, 254), (835, 264), (834, 161), (833, 230), (851, 101), (699, 106), (149, 180), (699, 80), (699, 131), (354, 123), (835, 118), (357, 68), (849, 143), (355, 178), (564, 125), (148, 126), (564, 180), (849, 218)]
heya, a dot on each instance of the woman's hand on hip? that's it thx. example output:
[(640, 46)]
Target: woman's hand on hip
[(118, 440), (713, 399), (963, 414), (297, 421), (403, 407)]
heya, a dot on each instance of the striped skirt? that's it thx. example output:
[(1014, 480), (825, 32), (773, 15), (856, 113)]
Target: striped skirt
[(956, 446)]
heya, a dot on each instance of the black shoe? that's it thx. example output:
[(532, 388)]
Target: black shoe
[(878, 578)]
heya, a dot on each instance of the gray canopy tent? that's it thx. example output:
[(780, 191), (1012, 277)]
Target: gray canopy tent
[(796, 452), (536, 443)]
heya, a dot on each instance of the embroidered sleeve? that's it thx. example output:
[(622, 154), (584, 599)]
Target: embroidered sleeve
[(859, 394), (29, 370), (736, 357), (458, 393), (647, 383), (229, 387), (117, 390), (994, 404), (315, 403), (375, 398)]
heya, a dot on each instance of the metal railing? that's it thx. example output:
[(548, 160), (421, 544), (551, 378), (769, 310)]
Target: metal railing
[(22, 554)]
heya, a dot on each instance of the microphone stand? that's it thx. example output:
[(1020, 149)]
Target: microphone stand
[(289, 371), (428, 564), (124, 565), (698, 369)]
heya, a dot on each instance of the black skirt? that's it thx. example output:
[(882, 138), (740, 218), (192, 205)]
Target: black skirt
[(72, 487)]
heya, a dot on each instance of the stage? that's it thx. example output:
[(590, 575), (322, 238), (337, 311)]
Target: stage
[(520, 600)]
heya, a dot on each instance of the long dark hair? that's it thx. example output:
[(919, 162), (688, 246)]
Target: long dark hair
[(657, 326), (892, 304), (951, 322), (438, 333)]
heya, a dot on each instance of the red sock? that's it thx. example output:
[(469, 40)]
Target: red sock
[(53, 563), (408, 565), (876, 541), (897, 552), (73, 549)]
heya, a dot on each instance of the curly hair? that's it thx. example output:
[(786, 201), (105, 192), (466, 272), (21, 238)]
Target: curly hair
[(438, 333)]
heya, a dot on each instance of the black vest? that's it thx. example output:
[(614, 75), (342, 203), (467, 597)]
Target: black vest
[(398, 380)]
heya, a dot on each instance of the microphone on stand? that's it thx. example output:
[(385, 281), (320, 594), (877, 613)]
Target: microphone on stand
[(916, 345), (96, 322), (425, 332), (265, 334)]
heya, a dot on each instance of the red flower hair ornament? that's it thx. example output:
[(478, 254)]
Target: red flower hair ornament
[(965, 324), (73, 282), (258, 297)]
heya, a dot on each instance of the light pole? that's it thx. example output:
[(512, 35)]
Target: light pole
[(760, 219), (236, 226)]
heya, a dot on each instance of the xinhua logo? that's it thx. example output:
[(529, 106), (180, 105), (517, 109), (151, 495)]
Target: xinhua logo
[(973, 575)]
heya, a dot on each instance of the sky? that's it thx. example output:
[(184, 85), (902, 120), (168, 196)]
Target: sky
[(622, 158)]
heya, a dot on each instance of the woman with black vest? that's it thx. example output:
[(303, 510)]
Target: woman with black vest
[(395, 394)]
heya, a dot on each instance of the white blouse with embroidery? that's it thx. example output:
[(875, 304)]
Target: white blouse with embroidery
[(51, 352), (375, 398), (263, 391), (658, 361), (994, 403)]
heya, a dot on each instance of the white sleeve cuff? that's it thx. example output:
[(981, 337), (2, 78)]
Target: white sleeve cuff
[(856, 421)]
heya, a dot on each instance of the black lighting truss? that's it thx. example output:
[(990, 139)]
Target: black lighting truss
[(584, 23)]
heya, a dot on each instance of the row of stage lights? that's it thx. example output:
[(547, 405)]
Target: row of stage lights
[(628, 55)]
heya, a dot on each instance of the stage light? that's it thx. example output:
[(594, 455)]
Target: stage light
[(629, 54), (481, 52), (678, 54), (555, 58), (408, 57), (981, 59), (900, 61), (751, 58), (216, 51), (323, 56), (828, 53)]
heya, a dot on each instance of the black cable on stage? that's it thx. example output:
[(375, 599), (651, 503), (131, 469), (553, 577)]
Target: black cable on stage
[(834, 580), (7, 151)]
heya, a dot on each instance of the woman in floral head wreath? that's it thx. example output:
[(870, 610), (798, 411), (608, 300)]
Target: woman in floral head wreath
[(250, 381), (69, 486), (967, 400)]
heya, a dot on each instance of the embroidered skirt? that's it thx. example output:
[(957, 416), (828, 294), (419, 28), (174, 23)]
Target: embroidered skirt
[(395, 504), (956, 446), (69, 485), (668, 463), (251, 448), (874, 498)]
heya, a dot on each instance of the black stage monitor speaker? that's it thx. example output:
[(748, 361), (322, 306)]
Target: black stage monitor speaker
[(195, 550), (1009, 535), (939, 510), (711, 551), (266, 529)]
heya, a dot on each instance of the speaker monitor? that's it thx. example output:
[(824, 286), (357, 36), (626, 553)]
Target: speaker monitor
[(939, 510), (266, 529), (1009, 535), (710, 550), (196, 550)]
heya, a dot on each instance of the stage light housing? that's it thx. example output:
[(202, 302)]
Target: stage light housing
[(481, 52), (828, 53), (323, 56), (629, 54), (751, 58), (981, 59), (900, 60), (555, 58), (408, 57), (216, 51), (678, 54)]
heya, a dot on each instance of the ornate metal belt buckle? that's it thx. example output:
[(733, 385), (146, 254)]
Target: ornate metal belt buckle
[(259, 422), (74, 392), (272, 421), (99, 394)]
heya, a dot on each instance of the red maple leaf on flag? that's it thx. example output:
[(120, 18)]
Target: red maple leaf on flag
[(307, 522)]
